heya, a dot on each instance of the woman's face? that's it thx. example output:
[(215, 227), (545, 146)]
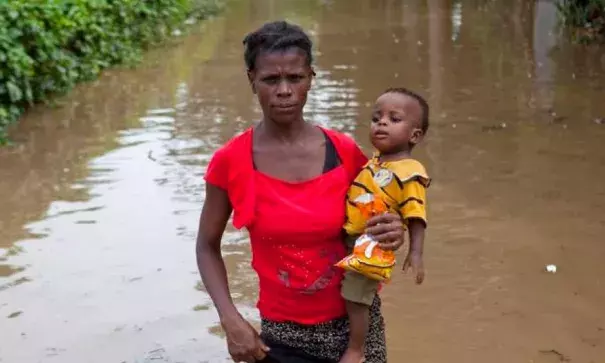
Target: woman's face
[(281, 81)]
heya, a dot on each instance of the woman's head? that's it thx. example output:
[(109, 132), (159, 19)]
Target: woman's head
[(278, 58)]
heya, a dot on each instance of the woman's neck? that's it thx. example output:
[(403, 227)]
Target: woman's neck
[(289, 132)]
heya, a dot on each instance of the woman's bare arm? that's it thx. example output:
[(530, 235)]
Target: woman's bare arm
[(213, 219), (243, 341)]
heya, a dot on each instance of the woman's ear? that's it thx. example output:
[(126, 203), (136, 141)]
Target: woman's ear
[(251, 81)]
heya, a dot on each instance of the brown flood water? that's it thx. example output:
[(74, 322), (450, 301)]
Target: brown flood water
[(100, 198)]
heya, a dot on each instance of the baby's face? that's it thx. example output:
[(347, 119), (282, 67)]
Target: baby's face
[(396, 121)]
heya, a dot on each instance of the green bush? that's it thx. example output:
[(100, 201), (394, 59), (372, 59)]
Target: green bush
[(585, 18), (47, 47)]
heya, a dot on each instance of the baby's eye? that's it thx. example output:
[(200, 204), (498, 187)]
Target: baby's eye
[(375, 119), (396, 119)]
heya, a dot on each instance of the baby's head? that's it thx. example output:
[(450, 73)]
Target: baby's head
[(400, 119)]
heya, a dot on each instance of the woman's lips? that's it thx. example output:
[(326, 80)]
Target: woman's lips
[(285, 107)]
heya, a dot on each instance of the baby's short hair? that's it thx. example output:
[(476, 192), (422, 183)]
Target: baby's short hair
[(423, 104)]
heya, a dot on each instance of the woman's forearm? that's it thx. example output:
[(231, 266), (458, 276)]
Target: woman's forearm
[(214, 277)]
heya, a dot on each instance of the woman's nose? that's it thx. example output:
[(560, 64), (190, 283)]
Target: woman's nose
[(284, 88)]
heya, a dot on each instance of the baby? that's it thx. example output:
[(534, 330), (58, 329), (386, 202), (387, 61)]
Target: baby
[(390, 181)]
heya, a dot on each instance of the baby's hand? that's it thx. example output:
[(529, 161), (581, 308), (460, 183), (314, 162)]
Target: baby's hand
[(414, 260)]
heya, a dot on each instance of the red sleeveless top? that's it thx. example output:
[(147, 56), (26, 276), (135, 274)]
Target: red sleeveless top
[(295, 228)]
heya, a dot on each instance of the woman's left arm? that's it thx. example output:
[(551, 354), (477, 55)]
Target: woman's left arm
[(387, 229)]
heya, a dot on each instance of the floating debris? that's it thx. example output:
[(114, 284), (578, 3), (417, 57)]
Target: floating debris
[(15, 314), (14, 250), (557, 119), (501, 126), (156, 354), (201, 308), (217, 330), (551, 268), (599, 121), (150, 156), (562, 357)]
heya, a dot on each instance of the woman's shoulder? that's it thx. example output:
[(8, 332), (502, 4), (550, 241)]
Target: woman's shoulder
[(235, 146), (340, 138), (349, 152), (229, 158)]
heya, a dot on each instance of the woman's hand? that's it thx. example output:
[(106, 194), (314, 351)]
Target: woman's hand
[(387, 230), (243, 341)]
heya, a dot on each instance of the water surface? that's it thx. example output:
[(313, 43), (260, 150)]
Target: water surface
[(100, 197)]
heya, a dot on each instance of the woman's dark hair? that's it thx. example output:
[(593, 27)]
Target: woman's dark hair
[(276, 36), (423, 104)]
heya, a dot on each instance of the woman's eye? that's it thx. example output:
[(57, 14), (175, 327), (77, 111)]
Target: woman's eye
[(295, 79), (271, 80)]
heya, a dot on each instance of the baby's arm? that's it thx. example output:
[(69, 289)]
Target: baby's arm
[(414, 211), (416, 228)]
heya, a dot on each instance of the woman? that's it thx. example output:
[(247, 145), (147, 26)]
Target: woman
[(285, 181)]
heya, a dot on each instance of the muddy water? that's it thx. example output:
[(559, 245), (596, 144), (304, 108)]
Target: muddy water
[(100, 197)]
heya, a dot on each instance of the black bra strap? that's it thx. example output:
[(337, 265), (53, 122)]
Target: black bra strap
[(332, 161)]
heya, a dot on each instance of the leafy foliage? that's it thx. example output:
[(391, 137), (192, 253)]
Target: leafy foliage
[(585, 18), (47, 47)]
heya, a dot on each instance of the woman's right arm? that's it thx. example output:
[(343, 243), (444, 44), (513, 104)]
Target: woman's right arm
[(213, 219), (243, 341)]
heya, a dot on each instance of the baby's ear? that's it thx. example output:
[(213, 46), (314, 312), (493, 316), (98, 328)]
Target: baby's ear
[(417, 135)]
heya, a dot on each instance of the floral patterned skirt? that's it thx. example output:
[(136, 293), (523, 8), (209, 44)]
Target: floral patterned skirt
[(325, 342)]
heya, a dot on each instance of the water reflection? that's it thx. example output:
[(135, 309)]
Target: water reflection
[(102, 196)]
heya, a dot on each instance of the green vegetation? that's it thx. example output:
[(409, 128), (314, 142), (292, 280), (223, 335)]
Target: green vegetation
[(47, 47), (584, 18)]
